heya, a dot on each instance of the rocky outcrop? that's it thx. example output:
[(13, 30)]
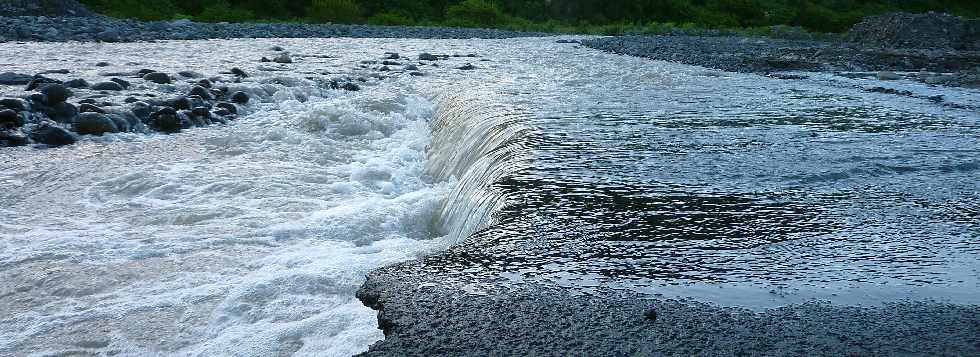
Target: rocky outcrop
[(926, 30)]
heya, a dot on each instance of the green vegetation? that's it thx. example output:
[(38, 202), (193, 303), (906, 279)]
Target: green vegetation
[(582, 16)]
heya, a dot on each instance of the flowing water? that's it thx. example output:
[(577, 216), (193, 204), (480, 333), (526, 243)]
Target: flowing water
[(549, 164)]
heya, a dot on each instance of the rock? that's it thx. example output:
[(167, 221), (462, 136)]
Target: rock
[(204, 83), (89, 108), (239, 97), (416, 73), (283, 58), (239, 72), (190, 74), (15, 104), (47, 133), (350, 87), (222, 112), (231, 108), (109, 35), (390, 63), (384, 69), (62, 112), (40, 81), (650, 314), (157, 77), (11, 78), (888, 76), (428, 57), (277, 48), (56, 93), (937, 79), (76, 83), (180, 103), (38, 99), (121, 122), (10, 118), (265, 59), (392, 55), (107, 86), (95, 124), (467, 67), (56, 71), (103, 64), (11, 138), (165, 120), (888, 91), (143, 72), (411, 67), (202, 92), (141, 110), (124, 83)]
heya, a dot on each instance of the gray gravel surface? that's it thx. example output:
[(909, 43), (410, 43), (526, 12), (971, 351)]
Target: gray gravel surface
[(104, 29), (421, 317)]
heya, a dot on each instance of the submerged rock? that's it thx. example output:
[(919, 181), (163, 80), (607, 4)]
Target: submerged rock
[(283, 58), (11, 78), (113, 86), (95, 124), (47, 133)]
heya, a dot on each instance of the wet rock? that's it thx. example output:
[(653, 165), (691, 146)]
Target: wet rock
[(205, 83), (384, 69), (265, 60), (239, 97), (141, 110), (56, 93), (109, 35), (467, 67), (157, 77), (202, 92), (277, 48), (15, 104), (89, 108), (10, 78), (38, 99), (143, 72), (390, 63), (113, 86), (411, 67), (76, 83), (11, 138), (103, 64), (10, 118), (428, 57), (283, 58), (165, 120), (650, 314), (47, 133), (888, 76), (239, 72), (124, 83), (391, 55), (888, 91), (95, 124), (350, 87), (40, 81), (222, 112), (190, 74), (63, 112), (231, 108)]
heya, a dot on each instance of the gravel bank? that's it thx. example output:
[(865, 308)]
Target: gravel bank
[(423, 318), (104, 29)]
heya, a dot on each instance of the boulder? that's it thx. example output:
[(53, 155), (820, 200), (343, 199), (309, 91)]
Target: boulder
[(76, 83), (283, 58), (11, 78), (157, 77), (95, 124), (10, 138), (239, 97), (113, 86), (10, 118), (56, 93), (47, 133)]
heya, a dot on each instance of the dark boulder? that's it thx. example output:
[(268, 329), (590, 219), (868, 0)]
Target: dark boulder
[(15, 79), (113, 86), (15, 104), (143, 72), (206, 83), (202, 92), (165, 120), (157, 77), (47, 133), (40, 81), (76, 83), (124, 83), (467, 67), (56, 93), (63, 112), (10, 119), (95, 124), (239, 97), (10, 138), (428, 57), (239, 72), (283, 58)]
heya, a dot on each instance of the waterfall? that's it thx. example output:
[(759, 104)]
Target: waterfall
[(477, 139)]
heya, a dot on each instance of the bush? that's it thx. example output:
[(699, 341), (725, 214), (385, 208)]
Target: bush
[(473, 13), (390, 19), (335, 11), (222, 11)]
